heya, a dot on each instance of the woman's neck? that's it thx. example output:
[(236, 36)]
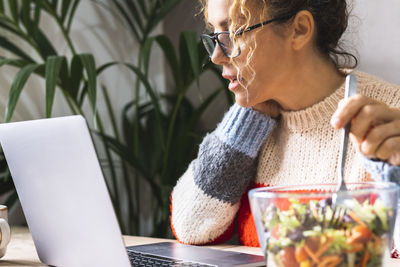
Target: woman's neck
[(315, 80)]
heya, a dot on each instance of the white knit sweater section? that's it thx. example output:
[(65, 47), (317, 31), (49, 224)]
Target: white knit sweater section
[(304, 147)]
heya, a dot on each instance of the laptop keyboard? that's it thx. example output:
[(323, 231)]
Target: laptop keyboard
[(141, 259)]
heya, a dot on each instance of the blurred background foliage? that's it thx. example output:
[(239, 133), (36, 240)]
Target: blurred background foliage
[(154, 136)]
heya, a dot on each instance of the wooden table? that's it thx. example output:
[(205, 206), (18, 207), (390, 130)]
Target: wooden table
[(21, 250)]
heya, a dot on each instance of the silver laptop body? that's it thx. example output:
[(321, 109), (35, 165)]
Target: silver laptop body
[(66, 203)]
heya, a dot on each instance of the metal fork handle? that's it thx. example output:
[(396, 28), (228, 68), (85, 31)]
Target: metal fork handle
[(342, 156), (350, 90)]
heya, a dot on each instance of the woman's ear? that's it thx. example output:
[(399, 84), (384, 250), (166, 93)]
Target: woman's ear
[(302, 30)]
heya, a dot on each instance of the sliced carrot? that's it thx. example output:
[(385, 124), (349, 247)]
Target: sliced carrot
[(365, 259), (311, 254), (355, 218), (330, 261), (323, 248)]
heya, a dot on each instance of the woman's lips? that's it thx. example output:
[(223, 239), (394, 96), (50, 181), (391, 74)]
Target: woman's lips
[(233, 85)]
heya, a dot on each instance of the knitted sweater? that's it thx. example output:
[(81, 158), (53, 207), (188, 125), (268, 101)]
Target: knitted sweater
[(249, 150)]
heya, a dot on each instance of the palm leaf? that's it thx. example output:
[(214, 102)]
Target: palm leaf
[(153, 97), (53, 67), (76, 72), (45, 46), (166, 7), (170, 55), (65, 6), (25, 14), (134, 13), (36, 16), (16, 88), (190, 39), (90, 68), (13, 5), (145, 54), (127, 18), (14, 49), (71, 15)]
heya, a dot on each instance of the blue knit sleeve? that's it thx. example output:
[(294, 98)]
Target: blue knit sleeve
[(245, 129), (207, 196), (382, 171)]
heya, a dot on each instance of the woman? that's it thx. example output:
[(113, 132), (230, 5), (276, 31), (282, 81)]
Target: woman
[(287, 74)]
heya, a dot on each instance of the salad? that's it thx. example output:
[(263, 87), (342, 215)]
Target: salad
[(312, 233)]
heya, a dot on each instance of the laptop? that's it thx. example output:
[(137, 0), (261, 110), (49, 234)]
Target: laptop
[(68, 208)]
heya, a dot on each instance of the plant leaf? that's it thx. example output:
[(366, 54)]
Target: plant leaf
[(76, 72), (44, 44), (153, 97), (25, 14), (36, 16), (134, 13), (105, 66), (128, 20), (13, 5), (16, 88), (166, 7), (14, 49), (66, 4), (145, 54), (169, 52), (193, 51), (53, 67), (71, 15), (90, 68), (6, 61), (143, 8)]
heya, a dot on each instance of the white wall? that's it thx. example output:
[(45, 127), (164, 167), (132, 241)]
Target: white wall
[(375, 32)]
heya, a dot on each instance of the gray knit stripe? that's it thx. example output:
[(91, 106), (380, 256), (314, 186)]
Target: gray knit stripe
[(221, 171)]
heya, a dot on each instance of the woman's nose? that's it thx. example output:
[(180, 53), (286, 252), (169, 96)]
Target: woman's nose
[(218, 57)]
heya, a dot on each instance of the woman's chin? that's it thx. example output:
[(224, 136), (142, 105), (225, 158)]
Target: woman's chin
[(243, 101)]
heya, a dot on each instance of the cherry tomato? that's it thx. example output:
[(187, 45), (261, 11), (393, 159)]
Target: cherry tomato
[(275, 232)]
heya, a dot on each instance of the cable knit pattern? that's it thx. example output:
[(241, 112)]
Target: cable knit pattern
[(304, 147), (300, 148)]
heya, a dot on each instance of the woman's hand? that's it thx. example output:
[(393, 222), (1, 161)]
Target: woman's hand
[(375, 127), (270, 108)]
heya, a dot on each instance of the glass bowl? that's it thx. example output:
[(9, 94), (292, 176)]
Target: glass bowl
[(298, 226)]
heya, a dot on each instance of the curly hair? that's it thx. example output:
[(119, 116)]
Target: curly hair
[(330, 16)]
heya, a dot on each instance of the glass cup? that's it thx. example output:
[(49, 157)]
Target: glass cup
[(396, 235), (4, 230), (298, 225)]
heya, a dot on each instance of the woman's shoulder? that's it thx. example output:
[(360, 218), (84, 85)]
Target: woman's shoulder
[(379, 89)]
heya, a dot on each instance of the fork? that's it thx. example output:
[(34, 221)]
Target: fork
[(341, 199)]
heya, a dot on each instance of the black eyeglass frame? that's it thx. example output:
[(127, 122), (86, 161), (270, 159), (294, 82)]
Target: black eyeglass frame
[(215, 39)]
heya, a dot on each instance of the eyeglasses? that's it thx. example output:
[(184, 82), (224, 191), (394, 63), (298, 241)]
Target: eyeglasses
[(225, 42)]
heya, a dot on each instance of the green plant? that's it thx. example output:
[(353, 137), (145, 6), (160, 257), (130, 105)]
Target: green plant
[(76, 77), (159, 131), (159, 143)]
